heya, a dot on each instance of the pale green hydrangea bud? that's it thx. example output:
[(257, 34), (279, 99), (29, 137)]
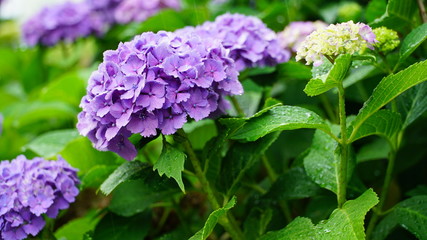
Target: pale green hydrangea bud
[(387, 39), (336, 39), (349, 11)]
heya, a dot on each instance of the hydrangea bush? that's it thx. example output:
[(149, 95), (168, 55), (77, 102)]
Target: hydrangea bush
[(30, 188), (243, 120)]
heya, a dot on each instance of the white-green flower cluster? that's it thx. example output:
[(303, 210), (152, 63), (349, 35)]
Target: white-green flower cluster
[(336, 39), (387, 39)]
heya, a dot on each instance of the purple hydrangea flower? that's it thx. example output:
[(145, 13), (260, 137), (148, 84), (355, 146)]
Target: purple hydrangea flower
[(249, 41), (295, 33), (138, 10), (151, 84), (63, 22), (30, 188)]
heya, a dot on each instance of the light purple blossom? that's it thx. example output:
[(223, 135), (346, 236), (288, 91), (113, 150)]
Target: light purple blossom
[(294, 34), (151, 84), (249, 41), (139, 10), (63, 22), (31, 188)]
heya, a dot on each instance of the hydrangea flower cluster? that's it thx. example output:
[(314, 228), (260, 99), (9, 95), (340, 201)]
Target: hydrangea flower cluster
[(250, 42), (105, 8), (72, 20), (63, 22), (139, 10), (103, 4), (151, 84), (294, 34), (30, 188), (342, 38), (387, 39)]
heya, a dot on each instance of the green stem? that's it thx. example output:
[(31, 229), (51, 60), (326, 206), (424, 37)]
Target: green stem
[(362, 91), (255, 187), (270, 171), (422, 11), (383, 196), (181, 215), (342, 171), (273, 177), (328, 107), (162, 221), (330, 58), (236, 105), (227, 221)]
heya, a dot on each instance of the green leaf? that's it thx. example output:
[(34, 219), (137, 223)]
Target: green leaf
[(347, 222), (294, 70), (384, 123), (399, 13), (418, 190), (278, 118), (375, 9), (412, 41), (76, 228), (322, 83), (378, 149), (81, 154), (68, 88), (134, 196), (171, 163), (389, 88), (41, 112), (320, 207), (127, 171), (322, 161), (344, 223), (250, 72), (299, 228), (256, 223), (114, 227), (413, 103), (96, 176), (51, 143), (358, 74), (199, 133), (212, 221), (411, 214), (239, 159), (294, 184), (250, 101)]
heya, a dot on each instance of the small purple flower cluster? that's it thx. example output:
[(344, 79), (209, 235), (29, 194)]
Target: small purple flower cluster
[(250, 42), (30, 188), (137, 10), (152, 84), (63, 22), (70, 20)]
